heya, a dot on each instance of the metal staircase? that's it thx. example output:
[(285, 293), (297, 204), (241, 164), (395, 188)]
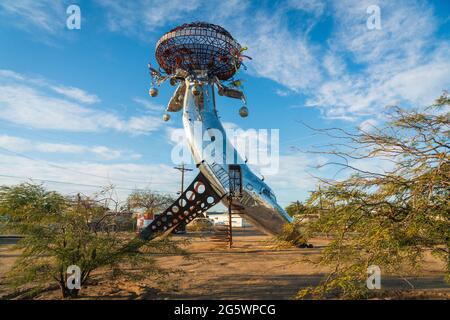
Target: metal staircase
[(221, 174)]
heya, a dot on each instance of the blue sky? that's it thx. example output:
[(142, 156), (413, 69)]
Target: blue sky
[(74, 105)]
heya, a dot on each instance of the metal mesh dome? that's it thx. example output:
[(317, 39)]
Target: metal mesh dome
[(199, 46)]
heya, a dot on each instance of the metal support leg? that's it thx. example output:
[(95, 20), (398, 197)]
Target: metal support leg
[(196, 199)]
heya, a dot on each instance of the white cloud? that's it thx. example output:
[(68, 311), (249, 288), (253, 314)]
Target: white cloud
[(76, 94), (28, 102), (46, 15), (278, 54), (149, 105), (355, 73), (400, 64), (143, 16), (406, 27), (126, 176), (351, 96), (57, 147), (296, 177), (301, 173), (333, 64), (106, 152), (380, 165), (281, 93), (352, 73), (314, 7), (174, 135), (10, 74), (421, 84), (17, 144), (14, 143), (369, 125), (293, 173)]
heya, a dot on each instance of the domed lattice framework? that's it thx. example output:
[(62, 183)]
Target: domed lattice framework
[(199, 46)]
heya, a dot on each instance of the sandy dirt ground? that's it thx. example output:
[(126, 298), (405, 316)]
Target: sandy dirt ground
[(252, 269)]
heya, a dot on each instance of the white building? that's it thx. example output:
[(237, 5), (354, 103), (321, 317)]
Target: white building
[(222, 218)]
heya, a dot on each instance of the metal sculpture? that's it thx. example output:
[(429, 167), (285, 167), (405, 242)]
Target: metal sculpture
[(197, 57)]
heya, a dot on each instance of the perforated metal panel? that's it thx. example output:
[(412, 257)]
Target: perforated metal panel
[(195, 200)]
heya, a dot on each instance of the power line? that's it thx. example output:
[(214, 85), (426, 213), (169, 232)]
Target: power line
[(68, 169), (182, 169), (79, 184)]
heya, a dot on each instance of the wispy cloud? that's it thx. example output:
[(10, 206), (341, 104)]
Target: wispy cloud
[(352, 72), (25, 103), (90, 176), (44, 15), (149, 105), (296, 176), (282, 93), (137, 17), (76, 94), (400, 64), (17, 144), (368, 125), (314, 7), (279, 54), (406, 28)]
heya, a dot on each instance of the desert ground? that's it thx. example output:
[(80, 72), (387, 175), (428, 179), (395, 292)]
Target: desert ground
[(253, 269)]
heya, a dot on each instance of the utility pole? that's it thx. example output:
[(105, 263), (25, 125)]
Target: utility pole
[(182, 169)]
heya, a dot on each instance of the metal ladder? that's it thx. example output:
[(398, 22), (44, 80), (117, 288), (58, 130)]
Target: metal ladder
[(221, 174)]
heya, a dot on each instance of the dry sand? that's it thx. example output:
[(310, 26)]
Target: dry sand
[(252, 269)]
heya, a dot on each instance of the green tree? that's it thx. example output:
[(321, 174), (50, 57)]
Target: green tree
[(391, 218), (149, 201), (60, 232), (295, 208)]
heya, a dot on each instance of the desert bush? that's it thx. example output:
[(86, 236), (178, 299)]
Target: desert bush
[(389, 218), (201, 225), (295, 209), (291, 235), (60, 232)]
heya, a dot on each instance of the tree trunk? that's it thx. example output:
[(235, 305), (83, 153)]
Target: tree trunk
[(68, 293)]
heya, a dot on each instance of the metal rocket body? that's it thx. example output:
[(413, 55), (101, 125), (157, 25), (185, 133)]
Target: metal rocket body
[(203, 128), (200, 56)]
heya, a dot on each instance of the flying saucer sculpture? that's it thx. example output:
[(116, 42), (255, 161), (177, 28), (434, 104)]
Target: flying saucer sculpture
[(197, 47), (197, 57)]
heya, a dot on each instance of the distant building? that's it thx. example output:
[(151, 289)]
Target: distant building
[(143, 219), (222, 218)]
